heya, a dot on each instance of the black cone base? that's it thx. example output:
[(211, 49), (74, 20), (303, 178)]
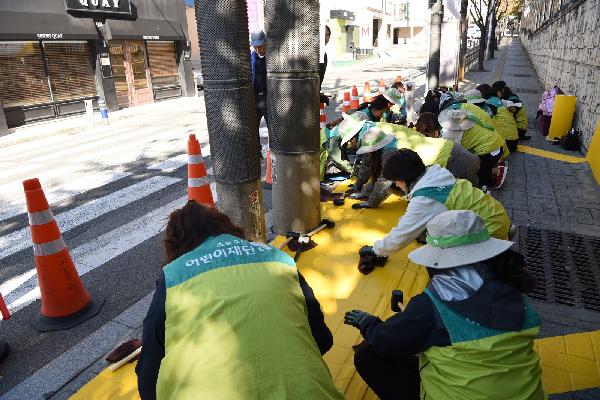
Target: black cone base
[(47, 324)]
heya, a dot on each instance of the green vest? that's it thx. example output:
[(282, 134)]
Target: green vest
[(323, 153), (431, 150), (463, 196), (482, 363), (236, 327), (507, 126), (522, 119), (482, 138)]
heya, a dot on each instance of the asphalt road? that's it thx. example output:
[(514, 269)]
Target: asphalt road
[(111, 191)]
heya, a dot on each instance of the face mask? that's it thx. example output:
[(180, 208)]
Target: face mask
[(263, 56)]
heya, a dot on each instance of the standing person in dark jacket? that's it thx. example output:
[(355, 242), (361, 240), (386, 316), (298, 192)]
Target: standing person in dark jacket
[(323, 65), (259, 74), (469, 335), (230, 319)]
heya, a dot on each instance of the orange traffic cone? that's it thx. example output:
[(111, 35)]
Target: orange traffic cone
[(381, 86), (398, 79), (198, 185), (354, 103), (367, 93), (65, 301), (346, 103), (322, 115), (269, 171), (3, 309)]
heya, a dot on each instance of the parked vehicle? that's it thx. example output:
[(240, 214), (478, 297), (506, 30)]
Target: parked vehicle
[(199, 80), (474, 32)]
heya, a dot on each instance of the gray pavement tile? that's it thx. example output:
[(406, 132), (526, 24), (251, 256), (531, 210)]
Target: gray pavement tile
[(589, 394), (519, 217), (63, 369), (134, 316)]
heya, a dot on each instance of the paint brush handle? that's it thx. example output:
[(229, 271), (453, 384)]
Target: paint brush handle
[(125, 360)]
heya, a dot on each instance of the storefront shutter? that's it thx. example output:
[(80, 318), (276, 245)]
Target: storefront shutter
[(23, 79), (70, 70), (163, 65)]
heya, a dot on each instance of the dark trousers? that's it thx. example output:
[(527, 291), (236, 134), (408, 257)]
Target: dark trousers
[(488, 162), (544, 124), (261, 109), (390, 379), (512, 145)]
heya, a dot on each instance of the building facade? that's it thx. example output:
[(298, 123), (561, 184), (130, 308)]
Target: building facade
[(563, 43), (54, 54), (360, 27)]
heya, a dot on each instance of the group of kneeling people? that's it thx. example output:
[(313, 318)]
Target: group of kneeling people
[(234, 319), (471, 134)]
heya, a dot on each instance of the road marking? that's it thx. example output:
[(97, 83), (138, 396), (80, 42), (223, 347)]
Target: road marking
[(21, 239), (63, 192), (174, 163)]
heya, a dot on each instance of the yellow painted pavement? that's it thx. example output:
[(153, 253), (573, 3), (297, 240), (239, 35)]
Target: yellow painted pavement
[(593, 155), (550, 154), (569, 362)]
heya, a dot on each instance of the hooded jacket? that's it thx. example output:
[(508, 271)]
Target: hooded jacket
[(472, 295)]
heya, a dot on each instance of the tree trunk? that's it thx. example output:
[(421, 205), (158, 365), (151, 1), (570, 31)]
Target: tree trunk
[(493, 36), (482, 45), (464, 5)]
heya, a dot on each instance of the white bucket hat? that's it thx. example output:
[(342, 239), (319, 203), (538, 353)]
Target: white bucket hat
[(393, 96), (473, 96), (509, 103), (456, 238), (351, 126), (374, 139), (455, 120)]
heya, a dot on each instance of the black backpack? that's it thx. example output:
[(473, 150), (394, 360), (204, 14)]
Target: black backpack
[(571, 140)]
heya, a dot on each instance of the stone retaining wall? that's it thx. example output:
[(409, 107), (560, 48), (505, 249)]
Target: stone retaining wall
[(565, 51)]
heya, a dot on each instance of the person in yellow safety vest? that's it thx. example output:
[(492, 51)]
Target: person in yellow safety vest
[(231, 319), (432, 191), (478, 137), (384, 139), (504, 120), (516, 107), (468, 335)]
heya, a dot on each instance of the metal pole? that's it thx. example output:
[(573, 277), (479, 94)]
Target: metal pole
[(231, 112), (433, 70), (293, 106)]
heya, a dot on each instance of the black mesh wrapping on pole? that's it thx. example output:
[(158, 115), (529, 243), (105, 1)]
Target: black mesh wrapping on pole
[(228, 93), (293, 75)]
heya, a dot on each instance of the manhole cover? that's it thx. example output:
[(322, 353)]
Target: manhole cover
[(565, 265), (530, 91)]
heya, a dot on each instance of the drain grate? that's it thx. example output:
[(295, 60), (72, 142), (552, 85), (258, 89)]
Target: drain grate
[(565, 265)]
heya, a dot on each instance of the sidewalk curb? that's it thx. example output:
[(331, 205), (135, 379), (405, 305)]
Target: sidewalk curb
[(56, 375)]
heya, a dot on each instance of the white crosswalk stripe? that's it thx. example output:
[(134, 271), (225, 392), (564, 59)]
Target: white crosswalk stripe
[(21, 239)]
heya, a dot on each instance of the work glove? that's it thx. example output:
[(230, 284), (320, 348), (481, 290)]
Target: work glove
[(358, 196), (378, 261), (362, 204), (356, 318)]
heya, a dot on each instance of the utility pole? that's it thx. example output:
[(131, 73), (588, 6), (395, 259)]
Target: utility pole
[(231, 112), (435, 38), (293, 106)]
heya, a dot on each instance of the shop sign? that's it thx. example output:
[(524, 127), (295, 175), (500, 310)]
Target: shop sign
[(96, 7), (151, 37), (54, 36)]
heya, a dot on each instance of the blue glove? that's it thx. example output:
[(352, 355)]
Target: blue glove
[(356, 318)]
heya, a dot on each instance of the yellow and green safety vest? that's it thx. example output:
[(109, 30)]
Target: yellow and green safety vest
[(482, 363), (522, 119), (431, 150), (463, 196), (483, 137), (506, 123), (236, 327)]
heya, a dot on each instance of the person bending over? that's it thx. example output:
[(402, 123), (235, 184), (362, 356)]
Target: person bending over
[(469, 335), (432, 191), (230, 319)]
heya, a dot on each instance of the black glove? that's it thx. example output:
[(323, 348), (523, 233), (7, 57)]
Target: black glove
[(378, 261), (356, 318), (360, 205)]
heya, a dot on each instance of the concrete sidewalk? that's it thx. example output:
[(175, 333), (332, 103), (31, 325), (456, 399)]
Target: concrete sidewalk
[(559, 199)]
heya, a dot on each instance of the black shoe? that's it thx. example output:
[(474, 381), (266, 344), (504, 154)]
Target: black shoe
[(524, 137)]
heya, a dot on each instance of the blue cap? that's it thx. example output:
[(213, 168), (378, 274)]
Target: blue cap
[(257, 38)]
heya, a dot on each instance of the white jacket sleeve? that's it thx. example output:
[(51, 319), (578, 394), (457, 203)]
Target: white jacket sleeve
[(419, 212)]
